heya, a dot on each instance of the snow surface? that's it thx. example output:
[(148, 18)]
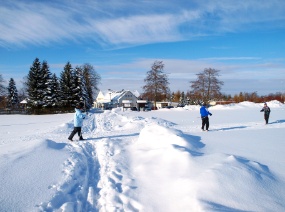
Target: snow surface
[(145, 161)]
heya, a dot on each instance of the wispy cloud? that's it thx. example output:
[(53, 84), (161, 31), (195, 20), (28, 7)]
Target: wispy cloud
[(139, 30), (123, 23), (230, 58), (36, 24)]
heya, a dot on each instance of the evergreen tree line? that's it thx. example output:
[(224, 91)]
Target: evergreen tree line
[(47, 93), (74, 85)]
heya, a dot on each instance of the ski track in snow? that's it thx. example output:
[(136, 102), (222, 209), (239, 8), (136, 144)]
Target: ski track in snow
[(99, 174), (99, 164), (95, 167), (78, 188)]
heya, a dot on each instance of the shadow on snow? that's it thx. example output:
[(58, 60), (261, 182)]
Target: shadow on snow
[(194, 143), (278, 122)]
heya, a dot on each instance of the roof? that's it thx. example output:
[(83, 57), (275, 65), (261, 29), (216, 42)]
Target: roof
[(115, 95)]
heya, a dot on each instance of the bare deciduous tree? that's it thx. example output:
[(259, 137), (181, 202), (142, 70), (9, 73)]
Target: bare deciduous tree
[(156, 88), (207, 86)]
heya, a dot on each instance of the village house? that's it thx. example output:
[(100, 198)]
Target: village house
[(112, 99)]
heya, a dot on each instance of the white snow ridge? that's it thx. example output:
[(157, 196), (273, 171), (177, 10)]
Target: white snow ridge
[(145, 161)]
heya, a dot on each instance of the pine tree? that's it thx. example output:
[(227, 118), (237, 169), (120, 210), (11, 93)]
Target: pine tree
[(67, 86), (13, 99), (79, 92), (35, 85), (46, 84), (182, 99), (55, 91), (156, 87), (2, 87), (92, 80)]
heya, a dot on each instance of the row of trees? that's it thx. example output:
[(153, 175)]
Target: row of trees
[(186, 97), (254, 97), (45, 91), (206, 87)]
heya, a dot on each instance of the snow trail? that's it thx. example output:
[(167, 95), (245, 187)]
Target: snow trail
[(116, 182), (97, 175), (78, 187)]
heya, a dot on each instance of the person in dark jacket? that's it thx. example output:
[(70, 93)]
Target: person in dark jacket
[(204, 116), (266, 111), (78, 121)]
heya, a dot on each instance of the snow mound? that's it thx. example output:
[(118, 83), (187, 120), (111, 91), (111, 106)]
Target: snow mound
[(166, 156), (275, 104), (158, 136), (234, 106), (246, 104), (225, 107), (254, 181), (166, 160), (189, 107)]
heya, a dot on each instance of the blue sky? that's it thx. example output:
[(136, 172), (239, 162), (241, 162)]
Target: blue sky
[(244, 39)]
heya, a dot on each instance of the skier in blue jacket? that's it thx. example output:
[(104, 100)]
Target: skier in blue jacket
[(204, 116), (78, 121)]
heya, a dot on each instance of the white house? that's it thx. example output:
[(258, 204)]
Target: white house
[(113, 99), (100, 100)]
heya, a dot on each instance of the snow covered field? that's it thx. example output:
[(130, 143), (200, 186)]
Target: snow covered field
[(145, 161)]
